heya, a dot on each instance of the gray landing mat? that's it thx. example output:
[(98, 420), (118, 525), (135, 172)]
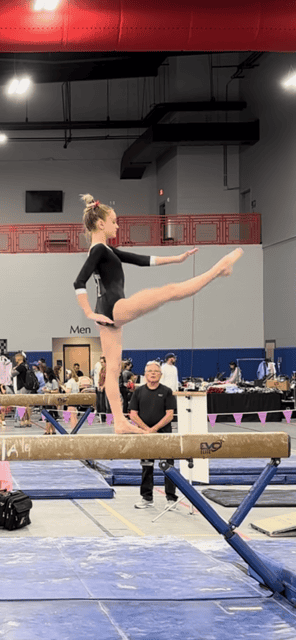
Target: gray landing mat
[(233, 498)]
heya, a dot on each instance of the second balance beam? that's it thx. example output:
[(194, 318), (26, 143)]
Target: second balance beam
[(48, 399), (154, 446)]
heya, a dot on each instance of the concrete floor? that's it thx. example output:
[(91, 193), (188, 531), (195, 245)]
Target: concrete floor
[(118, 517)]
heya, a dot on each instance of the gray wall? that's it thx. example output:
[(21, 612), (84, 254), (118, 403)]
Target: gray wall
[(268, 169), (39, 303)]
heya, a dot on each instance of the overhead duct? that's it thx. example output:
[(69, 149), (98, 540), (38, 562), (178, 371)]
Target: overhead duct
[(161, 137), (125, 25)]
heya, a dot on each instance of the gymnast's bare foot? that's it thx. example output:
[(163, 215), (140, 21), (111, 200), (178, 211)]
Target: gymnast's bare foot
[(225, 265), (124, 426)]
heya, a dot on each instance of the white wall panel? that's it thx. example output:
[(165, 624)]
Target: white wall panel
[(39, 303)]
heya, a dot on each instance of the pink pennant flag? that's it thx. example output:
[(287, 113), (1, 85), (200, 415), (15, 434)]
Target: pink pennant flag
[(66, 415), (212, 418), (21, 411), (109, 418), (262, 415), (238, 418), (288, 414), (90, 418), (43, 417)]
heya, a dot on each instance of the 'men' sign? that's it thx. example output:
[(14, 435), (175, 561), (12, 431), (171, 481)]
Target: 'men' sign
[(80, 329)]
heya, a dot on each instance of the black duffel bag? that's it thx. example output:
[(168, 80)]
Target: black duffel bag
[(14, 509)]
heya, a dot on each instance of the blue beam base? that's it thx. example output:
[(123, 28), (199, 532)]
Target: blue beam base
[(82, 420), (255, 492), (269, 576), (56, 424)]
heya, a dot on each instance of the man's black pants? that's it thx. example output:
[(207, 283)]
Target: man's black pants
[(146, 490)]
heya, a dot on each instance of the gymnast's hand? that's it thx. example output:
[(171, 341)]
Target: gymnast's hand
[(98, 317), (184, 256)]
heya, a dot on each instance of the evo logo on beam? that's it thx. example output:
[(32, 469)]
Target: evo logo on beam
[(206, 448)]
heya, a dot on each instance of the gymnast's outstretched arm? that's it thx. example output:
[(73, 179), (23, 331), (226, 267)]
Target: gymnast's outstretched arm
[(145, 261)]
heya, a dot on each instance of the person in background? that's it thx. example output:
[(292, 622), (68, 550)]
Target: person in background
[(262, 370), (271, 373), (97, 369), (127, 373), (235, 375), (122, 387), (39, 375), (103, 406), (57, 372), (51, 386), (76, 368), (18, 373), (170, 372), (72, 386), (4, 410), (152, 408)]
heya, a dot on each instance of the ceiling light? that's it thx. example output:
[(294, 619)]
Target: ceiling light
[(19, 86), (13, 86), (23, 85), (3, 138), (291, 82), (47, 5)]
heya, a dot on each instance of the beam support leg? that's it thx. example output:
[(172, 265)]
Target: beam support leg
[(81, 421), (255, 561), (56, 424)]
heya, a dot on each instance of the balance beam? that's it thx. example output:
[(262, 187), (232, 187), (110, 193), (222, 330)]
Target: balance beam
[(154, 446), (48, 399)]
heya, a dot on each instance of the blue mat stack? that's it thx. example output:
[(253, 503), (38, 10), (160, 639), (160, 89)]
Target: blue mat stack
[(232, 472), (65, 479)]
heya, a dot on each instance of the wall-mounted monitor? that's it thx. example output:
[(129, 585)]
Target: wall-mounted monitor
[(44, 201)]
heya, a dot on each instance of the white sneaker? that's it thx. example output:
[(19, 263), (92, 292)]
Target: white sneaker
[(171, 505), (144, 504)]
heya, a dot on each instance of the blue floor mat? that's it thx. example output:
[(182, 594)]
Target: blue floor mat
[(65, 479), (88, 620), (120, 569), (138, 589)]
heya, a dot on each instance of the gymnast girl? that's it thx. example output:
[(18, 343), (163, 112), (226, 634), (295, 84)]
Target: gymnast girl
[(112, 309)]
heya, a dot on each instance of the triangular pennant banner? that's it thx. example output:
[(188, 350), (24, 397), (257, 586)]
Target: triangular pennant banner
[(90, 418), (43, 417), (66, 415), (212, 418), (288, 414), (262, 415), (21, 411), (238, 418), (109, 418)]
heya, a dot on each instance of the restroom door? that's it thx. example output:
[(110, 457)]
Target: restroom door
[(77, 353)]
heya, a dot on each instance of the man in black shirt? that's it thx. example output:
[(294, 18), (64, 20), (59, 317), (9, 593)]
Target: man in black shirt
[(76, 368), (152, 408)]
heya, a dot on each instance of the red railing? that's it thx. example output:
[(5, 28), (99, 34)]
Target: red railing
[(136, 230)]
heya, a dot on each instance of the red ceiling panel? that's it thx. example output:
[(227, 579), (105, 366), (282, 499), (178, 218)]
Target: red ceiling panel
[(149, 25)]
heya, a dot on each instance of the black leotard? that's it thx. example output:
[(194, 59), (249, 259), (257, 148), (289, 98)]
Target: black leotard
[(104, 262)]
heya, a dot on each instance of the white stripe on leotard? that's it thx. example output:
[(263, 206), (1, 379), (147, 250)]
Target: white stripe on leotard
[(153, 261), (77, 291)]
